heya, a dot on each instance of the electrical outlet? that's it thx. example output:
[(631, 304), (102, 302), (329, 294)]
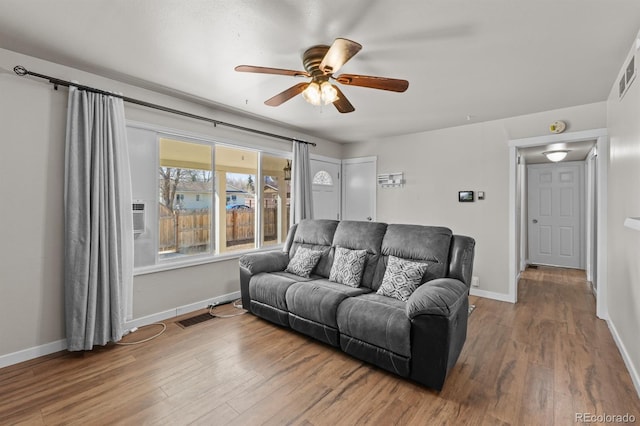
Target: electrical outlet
[(475, 282)]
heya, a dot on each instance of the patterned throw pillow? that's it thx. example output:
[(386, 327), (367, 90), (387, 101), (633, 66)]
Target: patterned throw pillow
[(401, 278), (348, 266), (303, 262)]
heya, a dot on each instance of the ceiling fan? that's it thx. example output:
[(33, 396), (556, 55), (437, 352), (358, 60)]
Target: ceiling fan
[(320, 63)]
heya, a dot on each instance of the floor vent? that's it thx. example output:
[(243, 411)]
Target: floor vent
[(188, 322)]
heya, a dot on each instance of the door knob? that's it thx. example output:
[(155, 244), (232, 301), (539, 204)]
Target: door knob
[(535, 221), (369, 218)]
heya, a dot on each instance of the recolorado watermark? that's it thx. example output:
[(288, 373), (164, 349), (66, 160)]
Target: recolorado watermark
[(605, 418)]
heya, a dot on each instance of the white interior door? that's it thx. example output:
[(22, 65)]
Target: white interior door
[(555, 197), (325, 176), (359, 189)]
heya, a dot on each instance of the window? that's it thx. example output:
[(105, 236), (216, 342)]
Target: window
[(236, 172), (184, 224), (204, 199), (322, 178), (276, 194)]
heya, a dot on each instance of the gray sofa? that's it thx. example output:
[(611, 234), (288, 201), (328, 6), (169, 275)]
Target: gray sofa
[(420, 338)]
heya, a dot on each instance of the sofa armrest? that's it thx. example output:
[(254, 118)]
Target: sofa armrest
[(438, 310), (268, 261), (439, 297)]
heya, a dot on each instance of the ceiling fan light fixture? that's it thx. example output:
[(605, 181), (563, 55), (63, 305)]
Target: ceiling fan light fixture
[(556, 156), (329, 94), (320, 94), (312, 94)]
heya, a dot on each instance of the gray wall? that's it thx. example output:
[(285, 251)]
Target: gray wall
[(623, 122), (32, 122), (440, 163)]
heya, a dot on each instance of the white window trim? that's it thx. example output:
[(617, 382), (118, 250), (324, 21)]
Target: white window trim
[(197, 260)]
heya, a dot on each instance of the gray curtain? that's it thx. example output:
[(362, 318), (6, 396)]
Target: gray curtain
[(301, 191), (98, 220)]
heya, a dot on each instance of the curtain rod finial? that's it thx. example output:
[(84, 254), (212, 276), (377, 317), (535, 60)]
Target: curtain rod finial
[(20, 70)]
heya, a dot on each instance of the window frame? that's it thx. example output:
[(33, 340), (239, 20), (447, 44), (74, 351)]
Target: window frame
[(213, 255)]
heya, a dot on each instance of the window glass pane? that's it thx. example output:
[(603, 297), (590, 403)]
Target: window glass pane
[(185, 184), (322, 178), (236, 172), (276, 196)]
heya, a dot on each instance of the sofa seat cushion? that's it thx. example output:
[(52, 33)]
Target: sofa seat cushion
[(270, 288), (318, 300), (377, 320)]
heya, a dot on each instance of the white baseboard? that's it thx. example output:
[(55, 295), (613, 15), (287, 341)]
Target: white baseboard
[(31, 353), (61, 345), (633, 372), (181, 310), (492, 295)]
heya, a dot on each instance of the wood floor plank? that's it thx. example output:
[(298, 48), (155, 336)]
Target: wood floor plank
[(535, 362), (537, 403)]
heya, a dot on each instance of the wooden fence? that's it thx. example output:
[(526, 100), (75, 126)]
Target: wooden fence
[(193, 229)]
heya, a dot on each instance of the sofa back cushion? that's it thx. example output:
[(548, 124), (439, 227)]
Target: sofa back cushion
[(315, 235), (423, 244), (355, 235)]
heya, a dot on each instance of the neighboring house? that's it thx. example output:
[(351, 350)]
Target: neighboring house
[(194, 195), (270, 195), (237, 196)]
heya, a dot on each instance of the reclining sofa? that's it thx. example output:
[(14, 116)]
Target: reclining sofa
[(395, 296)]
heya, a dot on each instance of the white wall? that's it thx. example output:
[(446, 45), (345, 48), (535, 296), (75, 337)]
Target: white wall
[(32, 122), (438, 164), (623, 276)]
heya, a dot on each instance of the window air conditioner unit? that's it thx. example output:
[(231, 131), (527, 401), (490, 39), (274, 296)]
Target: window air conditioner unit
[(138, 218)]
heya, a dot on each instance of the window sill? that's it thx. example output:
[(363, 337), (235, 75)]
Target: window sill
[(199, 260)]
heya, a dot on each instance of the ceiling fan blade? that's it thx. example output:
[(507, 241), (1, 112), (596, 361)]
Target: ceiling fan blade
[(267, 70), (283, 97), (382, 83), (338, 54), (342, 104)]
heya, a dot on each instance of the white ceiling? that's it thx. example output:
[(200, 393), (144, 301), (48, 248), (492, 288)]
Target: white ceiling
[(485, 59)]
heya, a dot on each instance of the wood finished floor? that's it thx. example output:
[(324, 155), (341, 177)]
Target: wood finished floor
[(537, 362)]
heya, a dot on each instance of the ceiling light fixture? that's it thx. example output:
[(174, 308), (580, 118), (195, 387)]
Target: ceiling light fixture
[(556, 156), (320, 94)]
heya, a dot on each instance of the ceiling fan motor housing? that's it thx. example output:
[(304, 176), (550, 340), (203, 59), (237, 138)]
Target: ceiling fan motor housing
[(311, 60)]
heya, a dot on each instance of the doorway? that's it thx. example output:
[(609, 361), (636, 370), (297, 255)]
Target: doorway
[(518, 217)]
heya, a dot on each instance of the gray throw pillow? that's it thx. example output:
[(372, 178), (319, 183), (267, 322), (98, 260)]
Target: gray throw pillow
[(303, 262), (348, 266), (401, 278)]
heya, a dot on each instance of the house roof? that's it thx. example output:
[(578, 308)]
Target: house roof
[(466, 60), (199, 187), (234, 190)]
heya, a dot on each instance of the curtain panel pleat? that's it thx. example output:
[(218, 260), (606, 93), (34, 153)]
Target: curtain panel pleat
[(301, 189), (98, 220)]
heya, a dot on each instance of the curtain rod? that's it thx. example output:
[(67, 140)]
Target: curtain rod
[(22, 71)]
